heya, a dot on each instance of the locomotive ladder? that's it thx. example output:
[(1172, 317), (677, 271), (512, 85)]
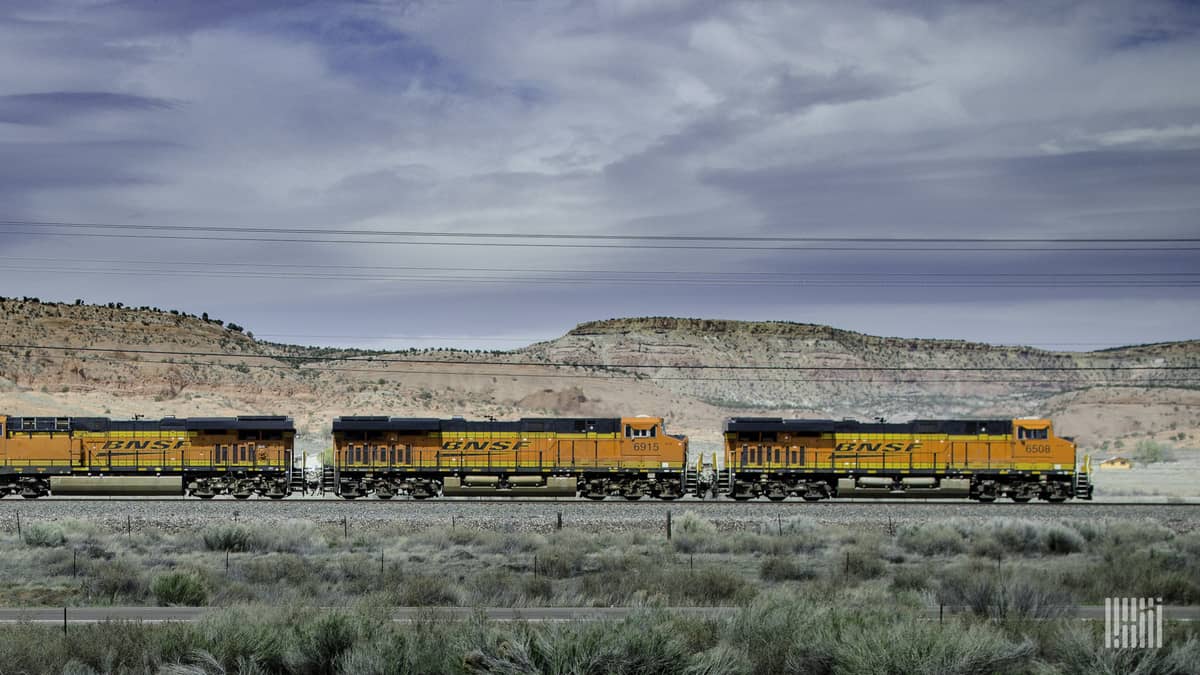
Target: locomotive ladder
[(725, 481), (691, 482), (296, 480), (1083, 479), (328, 479)]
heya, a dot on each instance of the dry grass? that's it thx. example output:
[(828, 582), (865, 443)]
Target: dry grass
[(302, 563)]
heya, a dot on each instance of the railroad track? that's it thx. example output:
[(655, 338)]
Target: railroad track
[(797, 503)]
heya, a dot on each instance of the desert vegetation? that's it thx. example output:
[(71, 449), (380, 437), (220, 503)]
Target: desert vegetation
[(804, 597), (995, 567)]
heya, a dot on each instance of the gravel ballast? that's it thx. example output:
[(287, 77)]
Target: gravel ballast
[(180, 515)]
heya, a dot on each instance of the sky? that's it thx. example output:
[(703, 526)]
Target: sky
[(149, 147)]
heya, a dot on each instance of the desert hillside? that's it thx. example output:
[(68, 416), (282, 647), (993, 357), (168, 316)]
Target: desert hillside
[(54, 363)]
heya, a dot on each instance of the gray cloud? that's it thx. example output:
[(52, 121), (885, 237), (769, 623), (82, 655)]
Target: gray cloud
[(859, 119), (48, 108)]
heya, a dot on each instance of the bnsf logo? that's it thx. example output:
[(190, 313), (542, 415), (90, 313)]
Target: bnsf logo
[(485, 445), (876, 447), (143, 445)]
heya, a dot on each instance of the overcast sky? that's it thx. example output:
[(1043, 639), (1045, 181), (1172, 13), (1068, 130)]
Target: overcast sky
[(760, 119)]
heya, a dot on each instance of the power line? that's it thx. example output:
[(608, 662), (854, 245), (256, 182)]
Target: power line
[(587, 281), (605, 237), (608, 366), (639, 246), (624, 272)]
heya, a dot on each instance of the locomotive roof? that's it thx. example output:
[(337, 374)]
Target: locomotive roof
[(239, 423), (815, 426), (433, 424)]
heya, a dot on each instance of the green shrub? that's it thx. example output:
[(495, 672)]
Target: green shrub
[(910, 579), (782, 568), (180, 588), (1151, 451), (44, 534), (862, 562), (288, 537), (931, 540), (1062, 540), (1011, 594), (712, 586), (559, 561), (424, 590), (692, 533), (113, 581), (233, 538)]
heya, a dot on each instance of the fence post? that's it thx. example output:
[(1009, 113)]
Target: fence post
[(780, 519), (64, 620), (668, 525), (226, 562), (345, 528), (559, 526), (18, 524), (128, 527)]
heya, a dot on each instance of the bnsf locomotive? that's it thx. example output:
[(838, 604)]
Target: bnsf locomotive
[(627, 457), (200, 456), (983, 459), (630, 457)]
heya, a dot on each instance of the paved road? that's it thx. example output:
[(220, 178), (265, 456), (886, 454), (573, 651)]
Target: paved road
[(408, 614)]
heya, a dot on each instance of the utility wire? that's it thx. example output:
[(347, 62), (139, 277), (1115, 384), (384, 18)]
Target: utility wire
[(170, 264), (607, 237), (610, 281), (893, 249)]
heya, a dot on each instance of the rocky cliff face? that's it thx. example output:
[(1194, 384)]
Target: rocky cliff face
[(843, 373), (694, 371)]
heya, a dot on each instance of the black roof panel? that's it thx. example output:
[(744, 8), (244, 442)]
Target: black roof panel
[(458, 424), (818, 426), (66, 424)]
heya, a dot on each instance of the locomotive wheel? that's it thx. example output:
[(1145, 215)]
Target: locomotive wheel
[(777, 498), (987, 499), (383, 496), (241, 496), (1021, 500), (205, 496), (812, 498)]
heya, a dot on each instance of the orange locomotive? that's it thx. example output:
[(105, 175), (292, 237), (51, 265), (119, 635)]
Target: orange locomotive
[(203, 456), (629, 457), (983, 459)]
